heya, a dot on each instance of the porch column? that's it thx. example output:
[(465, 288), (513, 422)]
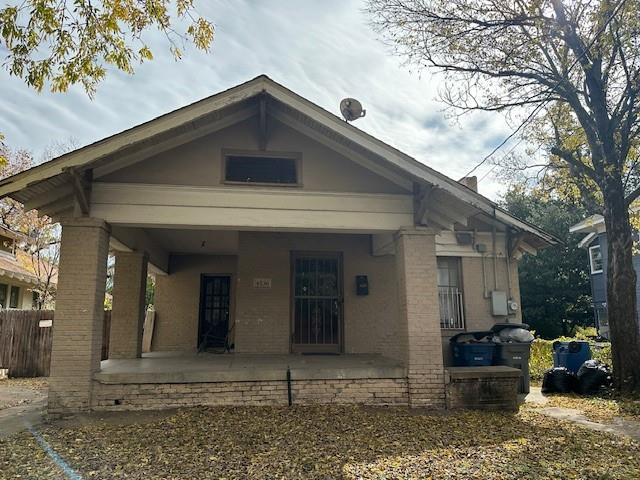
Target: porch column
[(79, 314), (420, 316), (127, 314)]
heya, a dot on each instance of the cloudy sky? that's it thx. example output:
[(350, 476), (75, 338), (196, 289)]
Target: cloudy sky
[(324, 51)]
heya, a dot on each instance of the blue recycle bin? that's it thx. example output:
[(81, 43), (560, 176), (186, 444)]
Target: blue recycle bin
[(472, 354), (571, 355)]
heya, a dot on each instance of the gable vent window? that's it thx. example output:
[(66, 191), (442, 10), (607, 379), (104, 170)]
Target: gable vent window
[(261, 169)]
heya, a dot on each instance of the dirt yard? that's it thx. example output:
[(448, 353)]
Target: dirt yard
[(322, 443)]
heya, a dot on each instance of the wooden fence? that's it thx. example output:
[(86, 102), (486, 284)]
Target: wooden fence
[(25, 341)]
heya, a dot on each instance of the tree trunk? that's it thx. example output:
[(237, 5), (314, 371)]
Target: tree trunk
[(621, 289)]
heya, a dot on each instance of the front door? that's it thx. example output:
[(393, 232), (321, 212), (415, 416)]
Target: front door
[(214, 312), (316, 302)]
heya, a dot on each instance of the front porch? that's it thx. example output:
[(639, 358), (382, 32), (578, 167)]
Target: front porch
[(173, 367), (166, 379)]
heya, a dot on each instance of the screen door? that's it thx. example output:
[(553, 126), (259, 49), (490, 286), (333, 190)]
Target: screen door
[(317, 302)]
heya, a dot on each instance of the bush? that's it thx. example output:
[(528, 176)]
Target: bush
[(541, 358)]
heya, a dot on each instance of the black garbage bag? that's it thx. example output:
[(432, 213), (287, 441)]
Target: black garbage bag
[(592, 377), (559, 380)]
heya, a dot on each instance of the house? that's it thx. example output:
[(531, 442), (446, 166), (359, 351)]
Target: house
[(282, 237), (595, 242), (17, 277)]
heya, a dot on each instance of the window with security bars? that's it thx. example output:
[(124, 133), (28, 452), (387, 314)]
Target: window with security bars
[(450, 294)]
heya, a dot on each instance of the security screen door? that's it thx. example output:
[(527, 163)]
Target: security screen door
[(316, 302), (214, 311)]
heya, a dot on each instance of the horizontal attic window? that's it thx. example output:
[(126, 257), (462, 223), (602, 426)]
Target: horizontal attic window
[(261, 169)]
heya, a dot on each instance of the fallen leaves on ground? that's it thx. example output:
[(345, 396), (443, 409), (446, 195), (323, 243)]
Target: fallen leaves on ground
[(35, 383), (21, 391), (598, 408), (324, 442)]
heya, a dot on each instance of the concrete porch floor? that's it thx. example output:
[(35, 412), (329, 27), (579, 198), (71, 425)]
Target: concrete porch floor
[(170, 367)]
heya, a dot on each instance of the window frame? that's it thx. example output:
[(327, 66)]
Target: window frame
[(14, 288), (452, 291), (4, 287), (591, 263), (295, 156)]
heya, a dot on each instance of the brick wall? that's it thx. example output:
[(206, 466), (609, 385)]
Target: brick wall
[(484, 391), (127, 315), (262, 315), (77, 332), (419, 310), (390, 391), (478, 308), (177, 299)]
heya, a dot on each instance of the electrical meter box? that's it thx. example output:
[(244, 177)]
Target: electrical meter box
[(499, 305)]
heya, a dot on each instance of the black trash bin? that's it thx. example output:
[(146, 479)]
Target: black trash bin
[(514, 354)]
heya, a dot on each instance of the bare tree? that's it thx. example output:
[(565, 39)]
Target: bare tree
[(526, 57)]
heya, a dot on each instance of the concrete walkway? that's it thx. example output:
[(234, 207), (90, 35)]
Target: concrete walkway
[(618, 425), (20, 407)]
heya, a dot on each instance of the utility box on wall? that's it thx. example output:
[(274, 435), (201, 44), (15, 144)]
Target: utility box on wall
[(362, 285), (499, 305)]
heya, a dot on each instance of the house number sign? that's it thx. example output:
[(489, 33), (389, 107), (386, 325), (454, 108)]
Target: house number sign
[(261, 283)]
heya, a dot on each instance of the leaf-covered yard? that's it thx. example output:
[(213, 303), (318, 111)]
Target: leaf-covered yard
[(326, 442)]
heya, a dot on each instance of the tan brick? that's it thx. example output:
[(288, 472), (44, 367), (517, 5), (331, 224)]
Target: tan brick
[(127, 316), (77, 332)]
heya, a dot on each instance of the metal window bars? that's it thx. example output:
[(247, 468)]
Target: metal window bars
[(451, 307)]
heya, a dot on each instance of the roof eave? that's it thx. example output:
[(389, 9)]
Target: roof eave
[(410, 166)]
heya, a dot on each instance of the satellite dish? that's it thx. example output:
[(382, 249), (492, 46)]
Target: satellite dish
[(351, 109)]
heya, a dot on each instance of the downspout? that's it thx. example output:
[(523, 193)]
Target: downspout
[(508, 261), (485, 293), (495, 252)]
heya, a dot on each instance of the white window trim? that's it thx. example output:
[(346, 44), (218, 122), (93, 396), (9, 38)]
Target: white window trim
[(591, 266)]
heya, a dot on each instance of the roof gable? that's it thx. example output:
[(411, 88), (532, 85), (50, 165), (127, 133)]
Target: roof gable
[(236, 104)]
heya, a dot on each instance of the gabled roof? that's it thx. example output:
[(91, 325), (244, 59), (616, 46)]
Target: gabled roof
[(591, 224), (101, 155)]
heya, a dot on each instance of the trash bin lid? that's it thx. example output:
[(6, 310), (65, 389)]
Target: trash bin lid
[(503, 326), (475, 335)]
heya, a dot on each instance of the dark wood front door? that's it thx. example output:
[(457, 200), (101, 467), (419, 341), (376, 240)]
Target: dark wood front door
[(214, 312), (316, 302)]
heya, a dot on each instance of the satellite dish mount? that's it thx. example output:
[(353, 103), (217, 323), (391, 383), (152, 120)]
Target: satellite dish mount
[(351, 109)]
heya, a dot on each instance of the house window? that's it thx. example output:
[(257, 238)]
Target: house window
[(14, 297), (3, 295), (595, 259), (450, 293), (602, 316), (262, 169)]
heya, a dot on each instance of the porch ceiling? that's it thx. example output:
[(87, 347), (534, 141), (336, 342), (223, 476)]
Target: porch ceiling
[(199, 241)]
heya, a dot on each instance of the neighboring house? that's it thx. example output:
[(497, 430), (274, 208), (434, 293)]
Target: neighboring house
[(17, 279), (277, 231), (595, 243)]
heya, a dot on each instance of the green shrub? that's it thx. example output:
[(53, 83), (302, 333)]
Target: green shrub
[(541, 358)]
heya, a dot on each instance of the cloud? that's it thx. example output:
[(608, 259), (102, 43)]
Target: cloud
[(324, 51)]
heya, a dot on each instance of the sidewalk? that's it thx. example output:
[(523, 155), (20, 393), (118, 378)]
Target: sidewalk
[(617, 425), (22, 402)]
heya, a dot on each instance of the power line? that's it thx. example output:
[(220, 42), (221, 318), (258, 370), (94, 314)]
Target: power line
[(548, 97)]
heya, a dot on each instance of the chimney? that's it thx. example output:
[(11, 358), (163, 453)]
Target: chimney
[(470, 182)]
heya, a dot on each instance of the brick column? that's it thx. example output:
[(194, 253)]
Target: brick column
[(127, 314), (420, 316), (79, 315)]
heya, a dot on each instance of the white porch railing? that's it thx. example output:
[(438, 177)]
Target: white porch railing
[(451, 307)]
